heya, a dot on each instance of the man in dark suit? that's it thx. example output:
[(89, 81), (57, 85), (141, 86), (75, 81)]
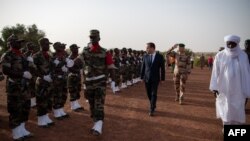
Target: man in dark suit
[(152, 72)]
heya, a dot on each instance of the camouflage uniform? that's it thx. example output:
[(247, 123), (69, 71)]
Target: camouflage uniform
[(96, 64), (59, 76), (94, 68), (18, 98), (181, 71), (15, 66), (44, 97), (74, 79)]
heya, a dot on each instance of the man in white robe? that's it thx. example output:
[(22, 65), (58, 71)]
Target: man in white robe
[(230, 82)]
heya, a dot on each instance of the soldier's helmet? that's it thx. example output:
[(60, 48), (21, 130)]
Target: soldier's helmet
[(73, 46)]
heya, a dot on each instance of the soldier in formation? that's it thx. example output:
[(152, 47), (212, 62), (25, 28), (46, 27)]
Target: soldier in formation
[(15, 66), (74, 79)]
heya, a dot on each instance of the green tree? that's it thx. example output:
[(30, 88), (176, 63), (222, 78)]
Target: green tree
[(29, 33)]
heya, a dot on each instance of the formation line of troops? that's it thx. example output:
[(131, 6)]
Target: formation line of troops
[(44, 79)]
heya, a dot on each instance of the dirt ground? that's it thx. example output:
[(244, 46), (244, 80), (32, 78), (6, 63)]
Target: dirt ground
[(126, 116)]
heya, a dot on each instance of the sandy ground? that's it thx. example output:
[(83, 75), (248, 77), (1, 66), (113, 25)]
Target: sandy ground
[(126, 116)]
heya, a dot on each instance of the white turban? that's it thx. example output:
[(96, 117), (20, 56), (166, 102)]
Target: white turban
[(232, 38)]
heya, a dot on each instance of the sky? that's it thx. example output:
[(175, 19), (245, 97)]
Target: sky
[(200, 24)]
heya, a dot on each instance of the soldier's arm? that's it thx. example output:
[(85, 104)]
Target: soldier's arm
[(38, 62), (171, 49), (7, 69)]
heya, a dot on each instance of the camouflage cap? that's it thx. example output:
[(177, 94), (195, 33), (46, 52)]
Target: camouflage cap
[(181, 45), (94, 33), (14, 38), (44, 40), (73, 46)]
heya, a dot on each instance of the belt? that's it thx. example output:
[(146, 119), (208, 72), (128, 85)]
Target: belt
[(95, 77), (73, 74)]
